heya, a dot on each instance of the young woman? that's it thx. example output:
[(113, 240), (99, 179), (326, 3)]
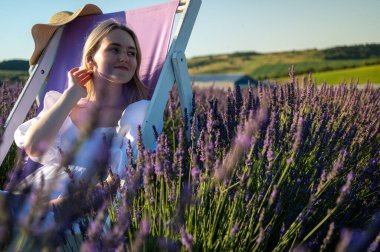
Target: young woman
[(85, 130)]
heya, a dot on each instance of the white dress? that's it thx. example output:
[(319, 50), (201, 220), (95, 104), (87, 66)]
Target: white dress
[(84, 166)]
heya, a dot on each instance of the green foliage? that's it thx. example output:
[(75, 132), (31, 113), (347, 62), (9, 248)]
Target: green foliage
[(353, 52), (14, 65), (14, 70), (280, 70), (359, 75), (275, 65), (243, 54), (8, 164)]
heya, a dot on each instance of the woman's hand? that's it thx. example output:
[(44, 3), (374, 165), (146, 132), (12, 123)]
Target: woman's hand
[(42, 133), (77, 79)]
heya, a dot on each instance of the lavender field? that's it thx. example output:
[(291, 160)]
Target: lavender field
[(288, 168)]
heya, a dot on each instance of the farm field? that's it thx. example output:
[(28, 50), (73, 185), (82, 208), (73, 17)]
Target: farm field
[(358, 75)]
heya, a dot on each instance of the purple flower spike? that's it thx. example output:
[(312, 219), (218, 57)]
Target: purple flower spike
[(186, 239), (346, 187), (145, 227), (234, 230)]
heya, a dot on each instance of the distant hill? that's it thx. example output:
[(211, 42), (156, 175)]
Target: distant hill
[(14, 65), (275, 65), (14, 70), (353, 52), (259, 66)]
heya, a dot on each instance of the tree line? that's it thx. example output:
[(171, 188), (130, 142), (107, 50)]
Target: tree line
[(353, 52), (15, 65)]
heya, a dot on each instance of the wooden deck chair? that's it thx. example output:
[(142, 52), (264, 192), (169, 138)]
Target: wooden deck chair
[(160, 69)]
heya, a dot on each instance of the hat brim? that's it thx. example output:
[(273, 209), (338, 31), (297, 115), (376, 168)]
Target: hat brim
[(42, 33)]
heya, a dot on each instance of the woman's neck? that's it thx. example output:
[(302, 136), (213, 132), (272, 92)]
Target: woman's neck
[(109, 95)]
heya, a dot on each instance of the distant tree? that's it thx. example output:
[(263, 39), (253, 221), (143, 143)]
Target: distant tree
[(352, 52), (20, 65)]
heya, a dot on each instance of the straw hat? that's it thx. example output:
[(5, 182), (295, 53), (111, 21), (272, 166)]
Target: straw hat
[(42, 33)]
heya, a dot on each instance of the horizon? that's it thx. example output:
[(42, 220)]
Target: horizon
[(223, 27), (227, 53)]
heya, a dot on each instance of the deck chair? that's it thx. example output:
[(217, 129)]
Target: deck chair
[(161, 67)]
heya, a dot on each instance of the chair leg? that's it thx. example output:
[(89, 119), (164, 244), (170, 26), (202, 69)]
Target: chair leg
[(184, 87), (29, 93)]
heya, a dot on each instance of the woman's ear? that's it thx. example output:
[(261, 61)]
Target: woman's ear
[(90, 61)]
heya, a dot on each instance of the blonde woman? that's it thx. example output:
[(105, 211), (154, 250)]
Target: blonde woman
[(104, 94)]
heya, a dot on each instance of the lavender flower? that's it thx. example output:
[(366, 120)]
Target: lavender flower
[(327, 239), (273, 195), (375, 244), (142, 235), (234, 230), (186, 239), (267, 160), (345, 188), (298, 136)]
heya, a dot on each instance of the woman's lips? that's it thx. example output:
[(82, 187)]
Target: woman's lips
[(124, 68)]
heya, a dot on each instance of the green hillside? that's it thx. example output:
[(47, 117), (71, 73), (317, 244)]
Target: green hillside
[(276, 65), (361, 74), (358, 75)]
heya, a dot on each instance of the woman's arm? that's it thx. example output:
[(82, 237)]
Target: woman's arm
[(42, 133)]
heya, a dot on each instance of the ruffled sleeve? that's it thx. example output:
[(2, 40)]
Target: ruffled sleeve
[(52, 155), (127, 130)]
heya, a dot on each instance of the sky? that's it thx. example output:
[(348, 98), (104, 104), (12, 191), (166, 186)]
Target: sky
[(222, 26)]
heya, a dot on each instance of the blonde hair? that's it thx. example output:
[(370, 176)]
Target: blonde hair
[(135, 90)]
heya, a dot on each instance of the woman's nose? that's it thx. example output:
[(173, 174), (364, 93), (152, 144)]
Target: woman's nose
[(123, 56)]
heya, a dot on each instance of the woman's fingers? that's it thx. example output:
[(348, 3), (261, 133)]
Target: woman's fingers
[(81, 76), (77, 72), (80, 72), (72, 71), (85, 78), (77, 78)]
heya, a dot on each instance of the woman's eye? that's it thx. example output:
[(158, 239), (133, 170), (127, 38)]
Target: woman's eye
[(115, 50), (132, 54)]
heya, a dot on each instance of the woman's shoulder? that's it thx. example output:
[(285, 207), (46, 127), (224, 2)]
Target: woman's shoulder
[(137, 107), (135, 112), (51, 97), (141, 104)]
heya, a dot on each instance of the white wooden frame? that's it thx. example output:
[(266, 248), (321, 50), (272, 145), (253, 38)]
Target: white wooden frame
[(29, 93), (174, 70)]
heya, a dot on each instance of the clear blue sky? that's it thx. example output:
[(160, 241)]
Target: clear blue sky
[(222, 26)]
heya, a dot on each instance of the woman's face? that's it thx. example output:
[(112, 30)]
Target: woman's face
[(115, 60)]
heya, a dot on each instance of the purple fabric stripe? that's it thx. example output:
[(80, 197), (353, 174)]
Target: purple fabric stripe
[(152, 25)]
